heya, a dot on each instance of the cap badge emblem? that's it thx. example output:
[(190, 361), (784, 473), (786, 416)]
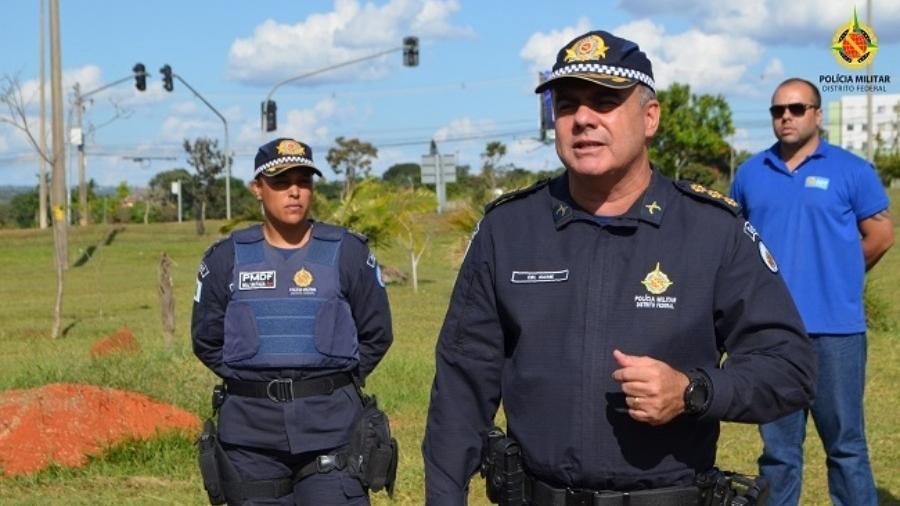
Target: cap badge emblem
[(587, 48), (290, 147)]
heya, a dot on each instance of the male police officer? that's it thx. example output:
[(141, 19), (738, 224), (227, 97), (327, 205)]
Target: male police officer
[(290, 313), (598, 306)]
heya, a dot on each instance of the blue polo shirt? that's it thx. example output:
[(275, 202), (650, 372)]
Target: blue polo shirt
[(809, 220)]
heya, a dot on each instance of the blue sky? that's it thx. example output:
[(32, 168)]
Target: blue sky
[(474, 84)]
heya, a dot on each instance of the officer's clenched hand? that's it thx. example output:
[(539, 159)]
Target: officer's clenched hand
[(654, 391)]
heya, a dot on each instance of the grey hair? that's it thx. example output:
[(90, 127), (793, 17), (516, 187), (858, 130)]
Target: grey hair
[(647, 94)]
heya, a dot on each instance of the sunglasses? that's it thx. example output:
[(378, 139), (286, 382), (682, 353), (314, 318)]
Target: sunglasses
[(796, 110)]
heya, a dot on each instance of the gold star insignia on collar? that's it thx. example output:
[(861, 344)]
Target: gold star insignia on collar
[(561, 210), (653, 206)]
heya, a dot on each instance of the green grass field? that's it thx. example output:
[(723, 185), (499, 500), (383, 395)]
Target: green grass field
[(116, 285)]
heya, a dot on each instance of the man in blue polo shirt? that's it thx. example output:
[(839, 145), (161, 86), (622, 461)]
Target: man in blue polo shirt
[(824, 214)]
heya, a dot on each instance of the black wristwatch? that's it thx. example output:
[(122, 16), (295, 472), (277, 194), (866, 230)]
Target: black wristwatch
[(697, 394)]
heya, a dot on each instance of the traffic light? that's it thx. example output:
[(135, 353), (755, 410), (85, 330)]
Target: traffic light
[(269, 109), (166, 72), (140, 77), (411, 51)]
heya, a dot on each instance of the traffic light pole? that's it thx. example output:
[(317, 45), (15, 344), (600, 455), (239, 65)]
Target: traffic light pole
[(79, 109), (317, 72), (227, 154)]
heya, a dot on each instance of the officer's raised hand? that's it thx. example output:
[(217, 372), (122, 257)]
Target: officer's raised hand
[(654, 391)]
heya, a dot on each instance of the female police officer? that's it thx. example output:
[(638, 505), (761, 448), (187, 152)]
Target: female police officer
[(290, 314)]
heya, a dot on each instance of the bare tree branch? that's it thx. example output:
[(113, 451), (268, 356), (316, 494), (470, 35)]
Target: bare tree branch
[(11, 97)]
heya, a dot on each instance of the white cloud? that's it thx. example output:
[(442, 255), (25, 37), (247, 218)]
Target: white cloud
[(4, 145), (541, 48), (709, 63), (178, 128), (806, 22), (278, 51), (774, 70), (463, 128)]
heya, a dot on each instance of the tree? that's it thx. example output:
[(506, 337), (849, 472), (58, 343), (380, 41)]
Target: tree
[(494, 151), (162, 204), (403, 174), (411, 231), (692, 129), (21, 211), (353, 158), (11, 97), (208, 161)]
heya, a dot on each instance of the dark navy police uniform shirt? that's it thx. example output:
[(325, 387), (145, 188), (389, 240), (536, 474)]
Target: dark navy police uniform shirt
[(314, 423), (544, 296)]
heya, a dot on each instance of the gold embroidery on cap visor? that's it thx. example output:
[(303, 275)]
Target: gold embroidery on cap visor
[(608, 80), (587, 48), (290, 147), (278, 168)]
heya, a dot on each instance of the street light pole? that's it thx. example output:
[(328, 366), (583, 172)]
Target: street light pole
[(79, 137), (227, 154), (410, 44)]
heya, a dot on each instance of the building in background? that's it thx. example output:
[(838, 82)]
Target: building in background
[(847, 125)]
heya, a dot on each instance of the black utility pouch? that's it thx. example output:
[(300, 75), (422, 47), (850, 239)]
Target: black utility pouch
[(373, 453)]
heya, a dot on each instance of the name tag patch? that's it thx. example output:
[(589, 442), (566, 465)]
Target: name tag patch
[(540, 276), (256, 280), (817, 182)]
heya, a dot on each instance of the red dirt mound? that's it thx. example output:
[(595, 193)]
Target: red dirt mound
[(122, 341), (63, 424)]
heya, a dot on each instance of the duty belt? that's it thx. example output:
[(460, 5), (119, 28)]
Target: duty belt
[(542, 494), (288, 389)]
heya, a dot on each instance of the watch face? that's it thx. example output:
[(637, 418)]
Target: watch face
[(695, 396)]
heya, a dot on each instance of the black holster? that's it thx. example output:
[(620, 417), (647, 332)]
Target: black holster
[(501, 467), (726, 488), (221, 480)]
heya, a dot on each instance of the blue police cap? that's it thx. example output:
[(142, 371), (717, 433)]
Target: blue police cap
[(601, 58), (282, 154)]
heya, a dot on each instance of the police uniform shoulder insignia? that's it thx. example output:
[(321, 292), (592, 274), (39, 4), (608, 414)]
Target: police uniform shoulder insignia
[(515, 194), (703, 193)]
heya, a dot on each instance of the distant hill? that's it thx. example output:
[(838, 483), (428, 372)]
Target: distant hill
[(7, 192)]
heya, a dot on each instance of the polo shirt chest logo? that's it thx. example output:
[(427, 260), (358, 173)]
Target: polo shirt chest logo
[(816, 182), (656, 282)]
